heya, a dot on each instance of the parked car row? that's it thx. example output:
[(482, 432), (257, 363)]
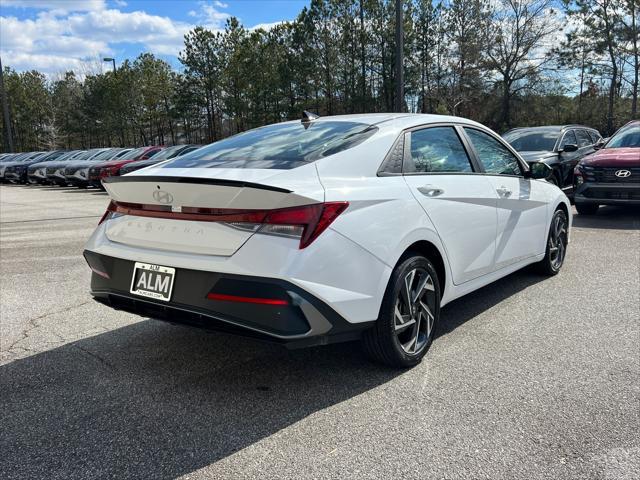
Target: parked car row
[(82, 168), (592, 170)]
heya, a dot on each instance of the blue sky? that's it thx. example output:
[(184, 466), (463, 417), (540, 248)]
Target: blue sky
[(56, 35)]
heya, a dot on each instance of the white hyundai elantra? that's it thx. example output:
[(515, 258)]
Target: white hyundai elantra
[(328, 229)]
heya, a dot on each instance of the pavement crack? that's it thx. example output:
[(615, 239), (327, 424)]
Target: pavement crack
[(34, 323), (94, 355)]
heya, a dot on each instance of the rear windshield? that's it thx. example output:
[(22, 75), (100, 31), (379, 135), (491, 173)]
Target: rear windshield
[(532, 141), (280, 146)]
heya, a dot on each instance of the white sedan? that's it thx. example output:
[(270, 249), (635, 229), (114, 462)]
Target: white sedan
[(328, 229)]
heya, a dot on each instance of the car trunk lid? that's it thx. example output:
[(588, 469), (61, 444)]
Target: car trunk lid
[(178, 209)]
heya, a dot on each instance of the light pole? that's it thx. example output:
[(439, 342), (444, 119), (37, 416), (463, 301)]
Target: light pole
[(5, 112), (113, 60), (399, 103)]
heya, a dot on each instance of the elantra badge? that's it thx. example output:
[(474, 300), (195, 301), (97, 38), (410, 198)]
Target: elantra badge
[(162, 196), (623, 173)]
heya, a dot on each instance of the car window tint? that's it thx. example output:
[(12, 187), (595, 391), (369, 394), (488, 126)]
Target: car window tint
[(279, 146), (438, 149), (495, 157), (584, 140), (568, 139)]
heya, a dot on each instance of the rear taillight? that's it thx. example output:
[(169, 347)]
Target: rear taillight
[(306, 222)]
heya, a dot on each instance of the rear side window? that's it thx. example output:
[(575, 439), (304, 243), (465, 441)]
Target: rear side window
[(595, 138), (280, 146), (437, 149), (495, 157), (568, 139), (584, 140)]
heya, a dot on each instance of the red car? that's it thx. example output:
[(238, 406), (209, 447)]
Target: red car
[(611, 175), (112, 167)]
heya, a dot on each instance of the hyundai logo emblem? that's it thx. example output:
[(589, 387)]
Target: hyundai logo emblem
[(623, 173), (162, 196)]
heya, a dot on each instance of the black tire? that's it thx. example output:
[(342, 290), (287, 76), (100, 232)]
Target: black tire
[(556, 245), (587, 208), (390, 341)]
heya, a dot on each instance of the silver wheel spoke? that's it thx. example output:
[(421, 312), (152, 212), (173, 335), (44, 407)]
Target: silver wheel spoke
[(426, 311), (425, 283), (406, 291), (403, 326), (417, 334)]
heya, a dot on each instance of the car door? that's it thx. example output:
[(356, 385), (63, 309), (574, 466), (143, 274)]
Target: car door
[(460, 202), (568, 160), (521, 205)]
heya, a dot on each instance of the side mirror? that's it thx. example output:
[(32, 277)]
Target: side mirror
[(600, 144), (539, 170), (569, 147)]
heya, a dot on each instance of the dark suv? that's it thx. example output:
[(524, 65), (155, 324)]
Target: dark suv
[(610, 176), (560, 147)]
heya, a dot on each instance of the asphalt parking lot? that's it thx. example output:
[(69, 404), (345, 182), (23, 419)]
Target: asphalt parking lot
[(529, 378)]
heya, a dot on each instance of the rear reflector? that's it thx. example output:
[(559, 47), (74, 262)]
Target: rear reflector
[(306, 222), (234, 298)]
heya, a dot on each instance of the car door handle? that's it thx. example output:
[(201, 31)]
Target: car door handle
[(430, 191), (504, 191)]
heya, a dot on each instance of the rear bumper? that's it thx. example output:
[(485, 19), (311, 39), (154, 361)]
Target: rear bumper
[(303, 321), (608, 193)]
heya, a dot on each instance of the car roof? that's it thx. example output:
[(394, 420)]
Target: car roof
[(395, 120)]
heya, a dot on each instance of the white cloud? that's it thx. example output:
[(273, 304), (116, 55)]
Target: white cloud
[(120, 3), (211, 16), (266, 26), (68, 33)]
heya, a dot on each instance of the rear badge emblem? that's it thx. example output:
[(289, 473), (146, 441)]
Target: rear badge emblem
[(162, 196), (623, 173)]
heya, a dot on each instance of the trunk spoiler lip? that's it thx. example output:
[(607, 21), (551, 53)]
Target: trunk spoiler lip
[(193, 180)]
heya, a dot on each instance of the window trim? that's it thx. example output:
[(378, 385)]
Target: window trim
[(524, 166), (407, 158), (476, 165)]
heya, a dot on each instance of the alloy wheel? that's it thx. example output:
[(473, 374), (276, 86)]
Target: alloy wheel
[(413, 315), (558, 241)]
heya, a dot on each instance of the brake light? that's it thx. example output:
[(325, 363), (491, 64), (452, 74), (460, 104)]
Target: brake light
[(306, 222), (310, 220)]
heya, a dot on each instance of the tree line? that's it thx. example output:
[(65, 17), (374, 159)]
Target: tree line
[(503, 63)]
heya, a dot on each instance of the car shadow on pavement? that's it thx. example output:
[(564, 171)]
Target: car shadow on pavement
[(473, 304), (153, 400), (608, 217)]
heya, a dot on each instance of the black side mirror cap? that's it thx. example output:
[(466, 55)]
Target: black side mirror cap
[(539, 170), (599, 145), (569, 147)]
